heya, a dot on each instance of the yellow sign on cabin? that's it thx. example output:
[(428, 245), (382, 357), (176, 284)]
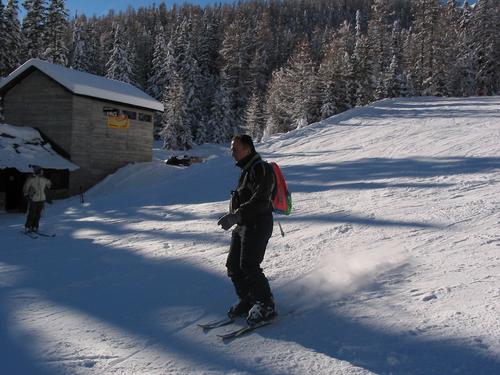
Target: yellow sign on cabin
[(118, 122)]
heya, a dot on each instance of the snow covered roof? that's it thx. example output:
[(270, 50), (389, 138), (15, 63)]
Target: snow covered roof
[(22, 146), (86, 84)]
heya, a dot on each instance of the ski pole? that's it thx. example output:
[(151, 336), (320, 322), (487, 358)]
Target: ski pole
[(281, 229)]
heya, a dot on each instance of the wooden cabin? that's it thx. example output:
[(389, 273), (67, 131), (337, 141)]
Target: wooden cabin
[(97, 123)]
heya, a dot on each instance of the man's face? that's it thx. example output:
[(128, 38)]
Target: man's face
[(238, 151)]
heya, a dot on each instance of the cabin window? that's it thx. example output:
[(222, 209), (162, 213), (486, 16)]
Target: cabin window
[(145, 117), (110, 111), (130, 114)]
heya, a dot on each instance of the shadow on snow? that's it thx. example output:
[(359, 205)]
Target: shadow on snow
[(115, 287), (359, 174), (127, 291)]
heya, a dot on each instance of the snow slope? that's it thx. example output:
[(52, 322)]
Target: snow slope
[(390, 263)]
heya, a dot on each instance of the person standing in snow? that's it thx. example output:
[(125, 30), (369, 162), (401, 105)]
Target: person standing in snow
[(34, 190), (250, 210)]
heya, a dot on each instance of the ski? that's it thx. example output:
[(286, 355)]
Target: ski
[(242, 331), (45, 234), (216, 324), (29, 234)]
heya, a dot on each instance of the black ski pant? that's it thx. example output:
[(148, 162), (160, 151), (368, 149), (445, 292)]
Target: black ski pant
[(246, 253), (34, 213)]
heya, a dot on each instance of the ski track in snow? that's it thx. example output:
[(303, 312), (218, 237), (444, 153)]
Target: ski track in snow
[(390, 263)]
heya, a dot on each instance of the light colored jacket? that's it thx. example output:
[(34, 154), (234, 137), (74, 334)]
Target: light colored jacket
[(34, 188)]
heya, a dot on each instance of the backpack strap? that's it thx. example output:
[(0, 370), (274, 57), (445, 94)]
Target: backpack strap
[(248, 169), (267, 167)]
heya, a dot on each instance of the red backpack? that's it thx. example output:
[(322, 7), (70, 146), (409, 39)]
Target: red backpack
[(282, 198)]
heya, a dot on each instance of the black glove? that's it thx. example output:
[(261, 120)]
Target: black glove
[(228, 220)]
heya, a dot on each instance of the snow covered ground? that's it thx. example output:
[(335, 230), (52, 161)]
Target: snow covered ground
[(390, 263)]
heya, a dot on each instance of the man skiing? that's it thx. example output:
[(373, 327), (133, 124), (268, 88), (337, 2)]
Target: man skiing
[(34, 190), (251, 211)]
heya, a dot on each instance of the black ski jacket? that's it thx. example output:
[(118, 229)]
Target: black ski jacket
[(252, 197)]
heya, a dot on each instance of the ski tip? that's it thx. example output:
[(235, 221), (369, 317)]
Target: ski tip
[(205, 329), (216, 324), (226, 337)]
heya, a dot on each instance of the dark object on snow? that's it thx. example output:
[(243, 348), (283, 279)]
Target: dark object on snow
[(174, 160), (184, 160)]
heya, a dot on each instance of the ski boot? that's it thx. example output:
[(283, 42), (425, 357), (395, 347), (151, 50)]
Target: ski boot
[(241, 308), (261, 312)]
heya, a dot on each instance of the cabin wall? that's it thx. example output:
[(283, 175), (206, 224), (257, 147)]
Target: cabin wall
[(39, 102), (99, 149)]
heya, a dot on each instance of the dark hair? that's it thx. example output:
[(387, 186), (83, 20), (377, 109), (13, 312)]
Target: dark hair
[(37, 169), (246, 140)]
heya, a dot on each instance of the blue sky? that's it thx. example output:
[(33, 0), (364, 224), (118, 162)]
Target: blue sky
[(100, 7)]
